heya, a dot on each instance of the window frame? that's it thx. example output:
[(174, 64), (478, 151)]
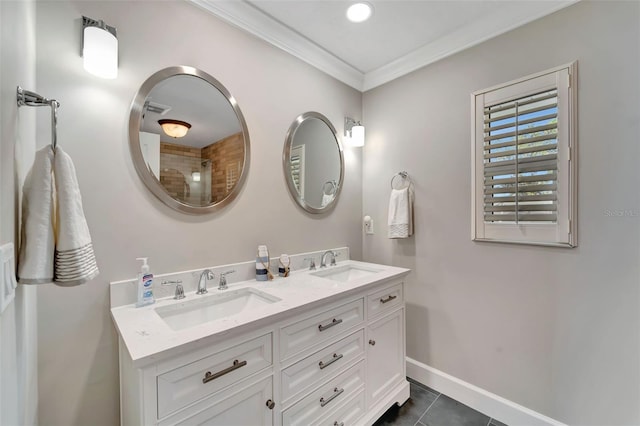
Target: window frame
[(563, 233)]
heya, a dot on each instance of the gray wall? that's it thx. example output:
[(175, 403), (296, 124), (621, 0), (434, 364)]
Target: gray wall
[(556, 330), (18, 333), (77, 343)]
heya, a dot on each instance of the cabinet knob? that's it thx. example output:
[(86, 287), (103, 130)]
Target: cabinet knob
[(372, 342), (270, 404)]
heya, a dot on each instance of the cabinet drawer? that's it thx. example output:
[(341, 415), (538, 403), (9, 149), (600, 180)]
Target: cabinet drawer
[(243, 406), (318, 367), (327, 398), (385, 300), (189, 383), (347, 414), (318, 328)]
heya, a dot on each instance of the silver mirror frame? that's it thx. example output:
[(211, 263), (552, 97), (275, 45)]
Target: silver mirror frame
[(286, 162), (135, 121)]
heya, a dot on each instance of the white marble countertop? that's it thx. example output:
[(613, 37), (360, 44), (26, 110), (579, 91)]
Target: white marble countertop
[(148, 338)]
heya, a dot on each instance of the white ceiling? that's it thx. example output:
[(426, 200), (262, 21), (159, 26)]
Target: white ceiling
[(400, 37), (197, 102)]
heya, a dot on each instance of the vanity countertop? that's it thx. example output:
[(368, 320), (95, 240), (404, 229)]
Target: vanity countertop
[(148, 338)]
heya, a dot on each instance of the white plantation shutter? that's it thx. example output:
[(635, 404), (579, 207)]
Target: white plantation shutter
[(524, 177), (521, 159)]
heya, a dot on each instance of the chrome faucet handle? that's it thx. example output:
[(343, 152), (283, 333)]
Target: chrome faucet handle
[(312, 263), (202, 283), (223, 279), (179, 294), (323, 259)]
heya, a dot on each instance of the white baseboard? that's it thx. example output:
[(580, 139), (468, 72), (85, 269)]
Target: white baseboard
[(479, 399)]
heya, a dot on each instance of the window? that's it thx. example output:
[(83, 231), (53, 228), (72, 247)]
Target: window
[(524, 160)]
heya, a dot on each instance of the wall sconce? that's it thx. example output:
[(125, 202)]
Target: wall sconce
[(175, 128), (195, 176), (353, 132), (99, 48)]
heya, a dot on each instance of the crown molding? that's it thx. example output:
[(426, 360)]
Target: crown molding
[(498, 23), (246, 17), (250, 19)]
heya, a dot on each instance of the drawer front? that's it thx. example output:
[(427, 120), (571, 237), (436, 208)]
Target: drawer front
[(385, 300), (347, 414), (323, 364), (189, 383), (325, 400), (242, 407), (303, 334)]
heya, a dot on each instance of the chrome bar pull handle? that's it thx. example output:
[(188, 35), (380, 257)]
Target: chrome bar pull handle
[(324, 365), (388, 299), (331, 324), (212, 376), (336, 393)]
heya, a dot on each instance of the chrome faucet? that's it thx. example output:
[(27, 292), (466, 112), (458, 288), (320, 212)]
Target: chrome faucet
[(202, 284), (323, 260), (223, 279), (179, 294)]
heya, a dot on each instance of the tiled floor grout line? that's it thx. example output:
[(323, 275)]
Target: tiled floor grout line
[(425, 411)]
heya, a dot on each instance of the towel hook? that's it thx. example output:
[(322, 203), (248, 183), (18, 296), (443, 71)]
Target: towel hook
[(28, 98), (402, 175)]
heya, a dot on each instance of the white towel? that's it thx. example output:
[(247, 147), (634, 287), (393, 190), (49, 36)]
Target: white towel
[(75, 262), (56, 246), (326, 199), (35, 264), (401, 213)]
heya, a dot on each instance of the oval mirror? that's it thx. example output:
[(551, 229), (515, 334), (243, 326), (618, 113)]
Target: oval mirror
[(188, 140), (313, 162)]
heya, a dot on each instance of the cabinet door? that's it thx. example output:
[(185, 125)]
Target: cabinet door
[(247, 406), (385, 355)]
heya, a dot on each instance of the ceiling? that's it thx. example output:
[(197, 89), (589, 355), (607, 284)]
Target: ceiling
[(194, 100), (400, 37)]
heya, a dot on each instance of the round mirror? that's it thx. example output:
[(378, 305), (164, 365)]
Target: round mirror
[(188, 140), (313, 162)]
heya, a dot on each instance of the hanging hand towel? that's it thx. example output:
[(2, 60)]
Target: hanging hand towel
[(401, 213), (35, 264), (326, 199), (75, 262)]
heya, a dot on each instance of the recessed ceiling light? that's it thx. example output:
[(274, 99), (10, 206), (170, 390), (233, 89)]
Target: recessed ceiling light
[(359, 12)]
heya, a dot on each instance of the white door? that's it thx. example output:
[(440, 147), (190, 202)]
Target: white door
[(385, 356)]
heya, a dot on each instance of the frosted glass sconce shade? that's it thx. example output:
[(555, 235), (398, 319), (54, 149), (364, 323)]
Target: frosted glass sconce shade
[(175, 128), (353, 132), (99, 48), (357, 136), (195, 176)]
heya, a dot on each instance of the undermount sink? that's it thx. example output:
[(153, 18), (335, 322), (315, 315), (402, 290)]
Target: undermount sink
[(213, 307), (345, 273)]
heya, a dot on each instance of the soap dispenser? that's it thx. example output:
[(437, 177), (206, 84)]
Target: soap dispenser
[(262, 264), (145, 284)]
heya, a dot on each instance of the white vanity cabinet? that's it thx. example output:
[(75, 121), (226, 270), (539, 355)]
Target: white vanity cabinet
[(339, 361), (386, 342)]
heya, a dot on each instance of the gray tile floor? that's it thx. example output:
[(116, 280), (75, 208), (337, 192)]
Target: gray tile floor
[(427, 407)]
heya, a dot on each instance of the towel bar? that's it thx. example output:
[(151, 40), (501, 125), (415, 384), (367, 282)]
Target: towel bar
[(25, 97)]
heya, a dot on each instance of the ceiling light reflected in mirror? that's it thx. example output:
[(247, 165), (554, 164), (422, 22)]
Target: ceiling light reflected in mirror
[(175, 128)]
